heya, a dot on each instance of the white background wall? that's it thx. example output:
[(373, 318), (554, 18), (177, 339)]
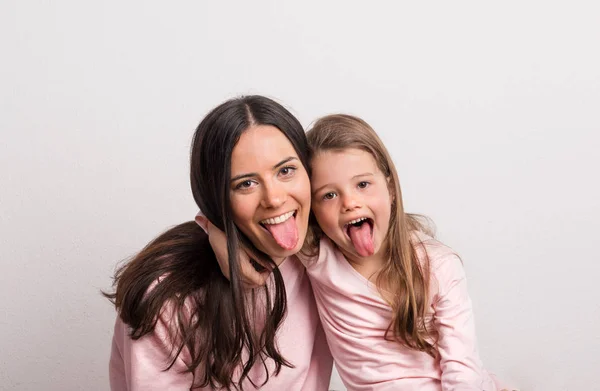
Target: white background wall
[(491, 111)]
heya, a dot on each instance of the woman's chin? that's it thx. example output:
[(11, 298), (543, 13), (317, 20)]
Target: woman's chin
[(281, 252), (278, 251)]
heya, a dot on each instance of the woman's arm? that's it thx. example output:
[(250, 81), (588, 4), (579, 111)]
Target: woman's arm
[(454, 321), (139, 365)]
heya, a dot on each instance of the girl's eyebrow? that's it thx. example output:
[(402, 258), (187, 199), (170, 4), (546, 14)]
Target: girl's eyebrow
[(364, 174), (354, 177), (253, 174)]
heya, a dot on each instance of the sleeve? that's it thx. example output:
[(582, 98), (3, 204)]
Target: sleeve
[(454, 321), (139, 365), (202, 221)]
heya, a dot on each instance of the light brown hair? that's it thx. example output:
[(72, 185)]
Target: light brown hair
[(404, 279)]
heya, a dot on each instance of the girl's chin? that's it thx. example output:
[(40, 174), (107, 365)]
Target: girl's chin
[(350, 251)]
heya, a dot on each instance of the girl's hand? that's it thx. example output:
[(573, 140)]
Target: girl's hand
[(251, 278)]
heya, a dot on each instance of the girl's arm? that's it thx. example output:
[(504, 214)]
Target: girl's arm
[(454, 321), (139, 365), (251, 278)]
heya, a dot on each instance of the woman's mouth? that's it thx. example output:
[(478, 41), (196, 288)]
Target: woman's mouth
[(283, 229)]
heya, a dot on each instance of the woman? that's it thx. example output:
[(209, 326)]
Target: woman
[(181, 323)]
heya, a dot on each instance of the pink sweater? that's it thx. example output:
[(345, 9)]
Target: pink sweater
[(138, 365), (355, 318)]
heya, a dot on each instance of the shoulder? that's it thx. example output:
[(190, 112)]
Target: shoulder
[(444, 263), (311, 255), (155, 312), (437, 253), (325, 251)]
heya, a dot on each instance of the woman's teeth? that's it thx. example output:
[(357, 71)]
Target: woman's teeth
[(279, 219)]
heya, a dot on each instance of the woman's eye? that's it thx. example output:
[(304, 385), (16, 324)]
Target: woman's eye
[(244, 185), (329, 196), (287, 170), (363, 184)]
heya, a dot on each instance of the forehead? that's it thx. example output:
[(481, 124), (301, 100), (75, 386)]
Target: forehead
[(259, 147), (328, 165)]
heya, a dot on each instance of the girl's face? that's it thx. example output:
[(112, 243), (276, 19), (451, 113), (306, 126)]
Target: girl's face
[(269, 191), (351, 201)]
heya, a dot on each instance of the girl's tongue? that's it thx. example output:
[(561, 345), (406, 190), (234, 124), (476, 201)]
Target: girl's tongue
[(285, 234), (362, 238)]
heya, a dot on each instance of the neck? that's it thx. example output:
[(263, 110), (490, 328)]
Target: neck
[(368, 267)]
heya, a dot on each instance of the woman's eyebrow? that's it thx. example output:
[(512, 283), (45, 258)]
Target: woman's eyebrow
[(253, 174), (287, 159)]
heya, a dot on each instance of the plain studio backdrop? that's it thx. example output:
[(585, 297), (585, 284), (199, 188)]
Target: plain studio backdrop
[(490, 110)]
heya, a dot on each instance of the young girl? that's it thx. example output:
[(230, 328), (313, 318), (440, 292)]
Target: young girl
[(393, 301)]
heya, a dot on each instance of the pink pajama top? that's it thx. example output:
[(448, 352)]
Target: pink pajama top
[(138, 365), (355, 318)]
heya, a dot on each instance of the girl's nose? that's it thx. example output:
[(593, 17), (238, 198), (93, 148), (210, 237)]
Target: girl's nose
[(350, 203)]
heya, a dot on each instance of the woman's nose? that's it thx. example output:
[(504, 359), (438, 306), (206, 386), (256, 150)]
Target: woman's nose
[(274, 195)]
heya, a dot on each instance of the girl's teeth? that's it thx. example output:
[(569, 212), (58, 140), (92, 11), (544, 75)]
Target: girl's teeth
[(278, 219), (356, 220)]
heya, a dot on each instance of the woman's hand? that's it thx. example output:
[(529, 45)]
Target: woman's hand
[(251, 278)]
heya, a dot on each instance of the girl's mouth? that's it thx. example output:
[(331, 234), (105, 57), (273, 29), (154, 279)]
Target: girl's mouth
[(360, 232)]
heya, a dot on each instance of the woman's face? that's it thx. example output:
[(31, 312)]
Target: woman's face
[(269, 191)]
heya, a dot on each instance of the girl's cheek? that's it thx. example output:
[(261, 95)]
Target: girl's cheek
[(322, 216)]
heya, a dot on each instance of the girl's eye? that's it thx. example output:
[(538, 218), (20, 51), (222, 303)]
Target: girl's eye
[(363, 184), (329, 196), (287, 170)]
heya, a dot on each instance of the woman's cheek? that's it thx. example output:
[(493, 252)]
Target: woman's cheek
[(303, 186), (243, 207)]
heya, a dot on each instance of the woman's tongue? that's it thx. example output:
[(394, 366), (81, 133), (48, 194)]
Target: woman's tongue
[(362, 239), (285, 234)]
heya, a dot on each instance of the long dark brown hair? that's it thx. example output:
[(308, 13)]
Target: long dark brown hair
[(213, 316), (404, 275)]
